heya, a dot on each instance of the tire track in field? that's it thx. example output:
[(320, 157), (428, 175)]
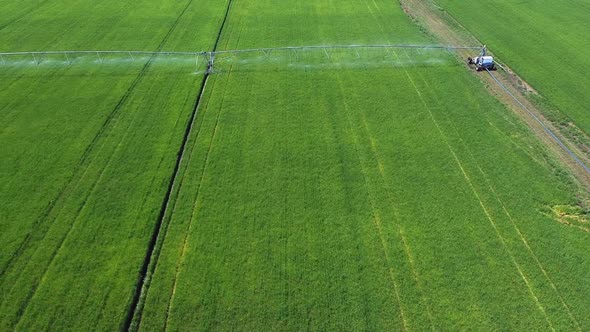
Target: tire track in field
[(194, 209), (524, 240), (135, 310), (482, 205), (406, 247), (503, 207), (388, 190), (55, 253), (376, 219), (59, 247), (534, 297), (80, 167), (78, 212), (90, 148), (7, 110), (507, 213), (23, 15)]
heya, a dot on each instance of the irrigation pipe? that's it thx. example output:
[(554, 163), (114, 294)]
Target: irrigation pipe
[(545, 128), (250, 50)]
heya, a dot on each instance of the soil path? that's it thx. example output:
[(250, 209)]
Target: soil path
[(449, 31)]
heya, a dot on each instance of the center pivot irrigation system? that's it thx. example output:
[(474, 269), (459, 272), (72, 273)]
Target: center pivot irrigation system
[(481, 62), (70, 56)]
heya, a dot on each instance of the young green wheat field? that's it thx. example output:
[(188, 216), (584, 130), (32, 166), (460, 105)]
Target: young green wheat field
[(326, 190)]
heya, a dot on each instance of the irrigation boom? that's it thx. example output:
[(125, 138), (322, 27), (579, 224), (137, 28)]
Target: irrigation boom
[(250, 50)]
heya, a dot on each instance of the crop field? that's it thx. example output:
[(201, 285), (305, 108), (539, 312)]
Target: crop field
[(87, 153), (352, 189), (544, 42)]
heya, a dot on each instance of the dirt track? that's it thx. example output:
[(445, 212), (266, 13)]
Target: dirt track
[(449, 31)]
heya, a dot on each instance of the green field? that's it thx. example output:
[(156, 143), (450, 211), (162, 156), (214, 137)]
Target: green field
[(326, 193), (546, 43), (87, 156)]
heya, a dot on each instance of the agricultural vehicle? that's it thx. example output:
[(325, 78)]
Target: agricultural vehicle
[(482, 61)]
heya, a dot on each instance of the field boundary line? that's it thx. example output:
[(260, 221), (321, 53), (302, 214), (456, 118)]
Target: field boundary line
[(376, 218), (143, 274), (135, 311), (167, 218), (485, 210), (203, 172), (194, 209)]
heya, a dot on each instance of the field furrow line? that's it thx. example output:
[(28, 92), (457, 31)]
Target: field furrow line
[(62, 195), (388, 190), (376, 217), (7, 110), (59, 247), (482, 205), (23, 15), (133, 318), (410, 257), (59, 199), (392, 201), (194, 209)]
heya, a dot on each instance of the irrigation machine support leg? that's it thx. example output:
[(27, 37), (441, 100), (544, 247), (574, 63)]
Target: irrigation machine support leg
[(393, 54), (210, 63), (3, 61), (99, 58), (67, 58), (132, 58), (35, 59), (358, 56), (327, 55)]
